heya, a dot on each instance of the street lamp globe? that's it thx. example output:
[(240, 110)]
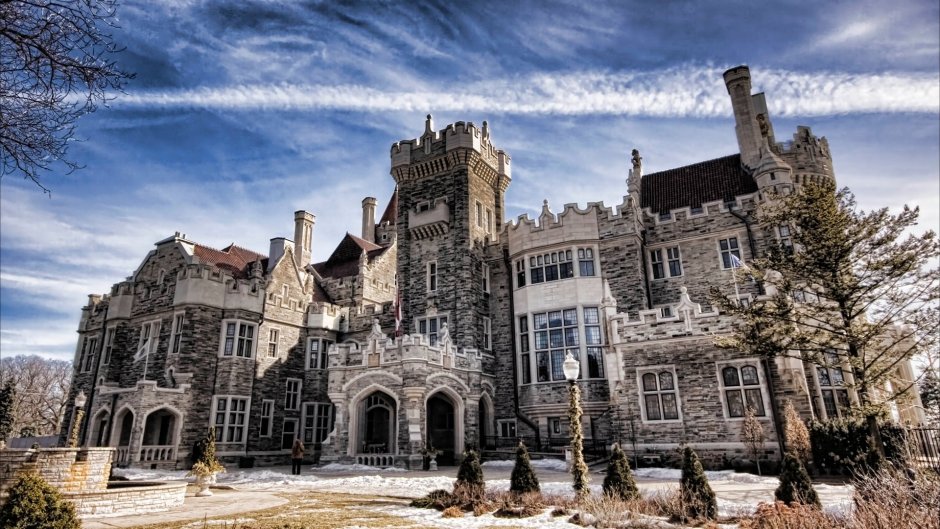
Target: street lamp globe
[(571, 367), (80, 399)]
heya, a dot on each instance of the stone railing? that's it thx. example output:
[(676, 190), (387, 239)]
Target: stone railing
[(158, 453), (122, 455)]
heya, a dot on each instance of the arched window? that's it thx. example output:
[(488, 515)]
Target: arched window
[(742, 390), (660, 402)]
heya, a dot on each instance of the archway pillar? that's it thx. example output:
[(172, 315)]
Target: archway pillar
[(414, 414)]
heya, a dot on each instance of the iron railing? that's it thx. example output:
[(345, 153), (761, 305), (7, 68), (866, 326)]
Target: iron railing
[(923, 445)]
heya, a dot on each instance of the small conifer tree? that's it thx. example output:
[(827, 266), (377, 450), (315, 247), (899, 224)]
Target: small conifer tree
[(523, 478), (205, 463), (619, 481), (795, 433), (795, 485), (34, 504), (698, 498), (469, 484), (752, 434)]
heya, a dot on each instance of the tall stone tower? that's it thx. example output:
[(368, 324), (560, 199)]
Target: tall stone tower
[(451, 185)]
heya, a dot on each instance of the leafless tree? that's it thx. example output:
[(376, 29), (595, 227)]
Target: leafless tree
[(42, 387), (56, 64)]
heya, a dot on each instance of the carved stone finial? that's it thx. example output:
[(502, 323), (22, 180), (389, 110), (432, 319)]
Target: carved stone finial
[(256, 272), (636, 159), (486, 130), (428, 125)]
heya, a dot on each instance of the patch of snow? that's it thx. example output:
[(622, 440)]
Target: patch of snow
[(337, 467), (545, 464)]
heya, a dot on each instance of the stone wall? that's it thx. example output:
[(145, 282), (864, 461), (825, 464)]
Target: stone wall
[(67, 469), (124, 498)]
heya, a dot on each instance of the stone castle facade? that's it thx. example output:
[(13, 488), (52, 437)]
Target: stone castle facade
[(264, 348)]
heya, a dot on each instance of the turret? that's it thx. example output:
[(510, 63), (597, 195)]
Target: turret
[(772, 174)]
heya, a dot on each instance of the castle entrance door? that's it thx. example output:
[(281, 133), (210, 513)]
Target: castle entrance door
[(440, 428), (379, 432)]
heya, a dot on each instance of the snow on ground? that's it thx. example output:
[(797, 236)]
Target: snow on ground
[(737, 492), (557, 465)]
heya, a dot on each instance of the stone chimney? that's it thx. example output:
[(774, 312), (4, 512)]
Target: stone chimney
[(368, 219), (303, 237)]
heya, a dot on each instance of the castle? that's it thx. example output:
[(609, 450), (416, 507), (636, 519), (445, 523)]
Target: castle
[(264, 348)]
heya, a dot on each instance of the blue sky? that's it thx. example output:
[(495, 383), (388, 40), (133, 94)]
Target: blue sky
[(243, 112)]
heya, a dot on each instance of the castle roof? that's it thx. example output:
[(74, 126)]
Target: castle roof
[(391, 210), (344, 261), (233, 259), (693, 185)]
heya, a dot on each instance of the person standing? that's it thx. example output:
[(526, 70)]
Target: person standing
[(297, 456)]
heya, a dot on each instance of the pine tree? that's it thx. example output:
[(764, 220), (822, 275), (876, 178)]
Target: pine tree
[(752, 434), (34, 504), (523, 478), (930, 394), (850, 290), (619, 481), (470, 484), (7, 398), (795, 485), (795, 433), (698, 498), (204, 460)]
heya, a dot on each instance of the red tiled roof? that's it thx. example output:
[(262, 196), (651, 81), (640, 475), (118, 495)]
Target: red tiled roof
[(692, 185), (391, 210), (344, 261), (233, 259)]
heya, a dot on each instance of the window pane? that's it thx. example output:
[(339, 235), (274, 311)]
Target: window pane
[(592, 335), (823, 376), (670, 410), (554, 319), (652, 408), (749, 375), (595, 362), (558, 361), (540, 321), (675, 269), (590, 315), (649, 382), (665, 380), (843, 396), (556, 338), (830, 403), (524, 343), (542, 361), (730, 376), (551, 273), (755, 400), (837, 378), (735, 403), (526, 370), (523, 324), (541, 340), (538, 275), (571, 317), (587, 268), (571, 336)]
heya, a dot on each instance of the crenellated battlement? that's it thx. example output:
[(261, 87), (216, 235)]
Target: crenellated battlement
[(206, 285), (680, 319), (572, 224), (428, 153), (808, 156)]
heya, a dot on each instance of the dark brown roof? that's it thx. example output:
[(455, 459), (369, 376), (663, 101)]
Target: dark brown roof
[(692, 185), (391, 210), (344, 261), (233, 259)]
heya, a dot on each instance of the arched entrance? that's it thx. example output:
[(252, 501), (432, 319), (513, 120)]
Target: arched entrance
[(121, 437), (159, 441), (378, 424), (441, 428), (99, 428)]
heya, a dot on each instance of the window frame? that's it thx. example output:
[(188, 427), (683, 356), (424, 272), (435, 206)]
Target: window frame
[(86, 361), (724, 254), (274, 338), (487, 334), (485, 278), (547, 344), (227, 426), (267, 414), (148, 346), (585, 257), (317, 427), (176, 332), (743, 389), (443, 317), (323, 348), (658, 393), (108, 345), (431, 279), (238, 339), (292, 398)]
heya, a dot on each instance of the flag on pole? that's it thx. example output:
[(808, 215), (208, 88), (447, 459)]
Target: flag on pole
[(736, 262), (398, 329)]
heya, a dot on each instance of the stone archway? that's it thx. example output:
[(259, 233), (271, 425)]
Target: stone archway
[(100, 428), (378, 424), (441, 426), (485, 415), (160, 435), (121, 435)]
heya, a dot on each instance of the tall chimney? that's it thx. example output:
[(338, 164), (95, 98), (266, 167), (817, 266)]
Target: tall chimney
[(303, 237), (368, 219), (738, 82)]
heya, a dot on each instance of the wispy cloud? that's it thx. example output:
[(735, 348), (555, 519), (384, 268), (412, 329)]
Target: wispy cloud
[(679, 92)]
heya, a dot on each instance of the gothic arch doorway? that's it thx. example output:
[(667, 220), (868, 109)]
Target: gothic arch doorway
[(379, 421), (441, 427), (121, 436), (100, 428)]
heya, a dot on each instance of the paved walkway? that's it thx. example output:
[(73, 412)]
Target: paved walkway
[(223, 502)]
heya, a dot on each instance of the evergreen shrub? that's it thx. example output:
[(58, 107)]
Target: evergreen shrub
[(34, 504), (697, 496), (795, 485), (619, 481), (523, 478)]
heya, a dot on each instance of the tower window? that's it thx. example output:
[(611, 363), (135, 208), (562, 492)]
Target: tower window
[(432, 276)]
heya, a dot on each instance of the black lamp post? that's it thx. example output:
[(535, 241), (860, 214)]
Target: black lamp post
[(80, 400)]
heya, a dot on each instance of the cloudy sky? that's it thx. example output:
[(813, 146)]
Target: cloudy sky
[(243, 112)]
